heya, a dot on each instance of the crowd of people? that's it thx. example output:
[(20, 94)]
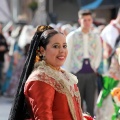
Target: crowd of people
[(15, 39), (62, 71)]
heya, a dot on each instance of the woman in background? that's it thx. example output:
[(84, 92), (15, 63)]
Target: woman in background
[(111, 80)]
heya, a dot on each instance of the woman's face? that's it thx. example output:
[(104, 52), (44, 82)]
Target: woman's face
[(56, 50)]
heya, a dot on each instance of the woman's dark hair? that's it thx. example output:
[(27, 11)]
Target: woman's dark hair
[(46, 36), (26, 48), (41, 37)]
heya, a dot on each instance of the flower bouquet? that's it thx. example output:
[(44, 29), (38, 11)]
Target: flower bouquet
[(108, 84), (115, 93)]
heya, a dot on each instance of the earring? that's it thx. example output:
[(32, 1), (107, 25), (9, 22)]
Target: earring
[(37, 59), (38, 56)]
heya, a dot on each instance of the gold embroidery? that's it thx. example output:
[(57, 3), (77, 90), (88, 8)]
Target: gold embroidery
[(62, 82), (68, 78), (78, 99)]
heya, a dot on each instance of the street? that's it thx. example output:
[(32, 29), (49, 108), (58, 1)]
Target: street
[(5, 106)]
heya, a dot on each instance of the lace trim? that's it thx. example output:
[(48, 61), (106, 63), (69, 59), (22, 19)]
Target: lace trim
[(59, 86), (61, 82), (69, 79), (78, 99)]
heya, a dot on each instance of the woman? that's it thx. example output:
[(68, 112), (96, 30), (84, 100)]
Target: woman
[(49, 93)]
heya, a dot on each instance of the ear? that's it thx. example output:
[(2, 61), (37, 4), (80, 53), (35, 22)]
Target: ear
[(42, 50)]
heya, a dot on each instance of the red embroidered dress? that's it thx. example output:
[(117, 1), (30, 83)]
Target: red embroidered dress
[(52, 95)]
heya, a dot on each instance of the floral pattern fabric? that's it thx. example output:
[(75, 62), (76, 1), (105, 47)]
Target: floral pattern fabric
[(75, 56)]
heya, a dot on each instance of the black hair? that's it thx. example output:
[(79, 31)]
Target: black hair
[(46, 36), (19, 110), (26, 48)]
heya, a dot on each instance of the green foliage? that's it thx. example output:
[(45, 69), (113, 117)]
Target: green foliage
[(108, 84), (33, 6)]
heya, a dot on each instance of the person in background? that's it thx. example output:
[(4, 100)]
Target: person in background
[(14, 55), (3, 51), (110, 80), (66, 29), (84, 57), (109, 36), (24, 41), (43, 85), (11, 90)]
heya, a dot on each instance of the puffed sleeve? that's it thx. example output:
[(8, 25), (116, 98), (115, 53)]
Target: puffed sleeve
[(40, 98)]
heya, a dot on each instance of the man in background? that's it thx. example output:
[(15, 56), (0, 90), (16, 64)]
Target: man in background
[(84, 56)]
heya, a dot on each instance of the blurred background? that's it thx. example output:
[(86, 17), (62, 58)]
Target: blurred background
[(18, 20), (46, 11)]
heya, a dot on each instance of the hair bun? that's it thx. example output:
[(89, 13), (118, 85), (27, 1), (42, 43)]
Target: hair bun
[(43, 28)]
